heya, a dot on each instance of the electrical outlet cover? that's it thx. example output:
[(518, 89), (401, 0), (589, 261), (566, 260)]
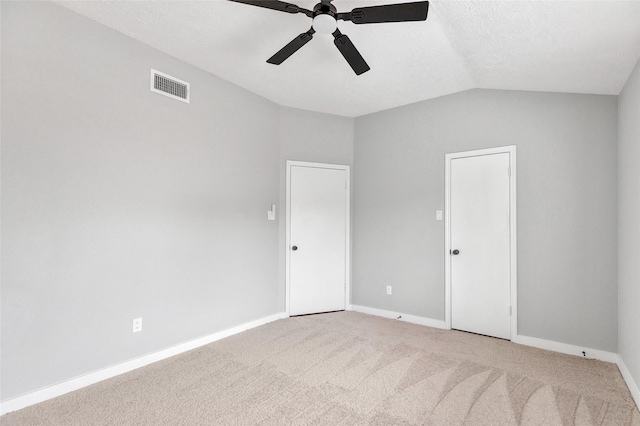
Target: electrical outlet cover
[(137, 325)]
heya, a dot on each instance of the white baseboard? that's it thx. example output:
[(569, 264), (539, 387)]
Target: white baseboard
[(631, 384), (429, 322), (535, 342), (566, 348), (109, 372)]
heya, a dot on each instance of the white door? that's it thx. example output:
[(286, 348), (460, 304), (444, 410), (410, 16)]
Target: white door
[(318, 238), (480, 244)]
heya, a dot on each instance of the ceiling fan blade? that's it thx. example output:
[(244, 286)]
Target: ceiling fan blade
[(291, 48), (350, 53), (276, 5), (401, 12)]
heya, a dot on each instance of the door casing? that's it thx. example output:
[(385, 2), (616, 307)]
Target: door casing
[(347, 169), (511, 149)]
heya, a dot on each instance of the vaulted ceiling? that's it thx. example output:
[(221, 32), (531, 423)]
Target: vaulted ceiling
[(551, 46)]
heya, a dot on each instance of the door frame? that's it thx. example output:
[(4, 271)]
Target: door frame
[(513, 247), (347, 278)]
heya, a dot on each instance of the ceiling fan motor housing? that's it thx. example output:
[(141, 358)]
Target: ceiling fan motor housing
[(326, 9)]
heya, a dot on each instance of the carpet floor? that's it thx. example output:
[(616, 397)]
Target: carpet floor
[(348, 368)]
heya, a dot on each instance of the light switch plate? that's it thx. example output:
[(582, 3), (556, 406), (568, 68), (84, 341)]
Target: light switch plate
[(271, 215), (438, 214)]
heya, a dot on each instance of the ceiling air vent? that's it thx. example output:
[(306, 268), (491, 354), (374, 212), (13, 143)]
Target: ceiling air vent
[(169, 86)]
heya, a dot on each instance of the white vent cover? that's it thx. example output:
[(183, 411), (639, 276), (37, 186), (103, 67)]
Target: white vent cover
[(169, 86)]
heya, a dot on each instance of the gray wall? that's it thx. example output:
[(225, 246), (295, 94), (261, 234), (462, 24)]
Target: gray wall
[(567, 206), (120, 203), (313, 137), (629, 224)]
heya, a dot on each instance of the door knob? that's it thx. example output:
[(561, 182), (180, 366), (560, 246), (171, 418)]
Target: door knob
[(294, 248), (455, 252)]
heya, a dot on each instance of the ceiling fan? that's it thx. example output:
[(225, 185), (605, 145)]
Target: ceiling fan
[(325, 19)]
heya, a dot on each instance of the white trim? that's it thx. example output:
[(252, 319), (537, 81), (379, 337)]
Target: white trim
[(347, 278), (566, 348), (414, 319), (115, 370), (511, 150), (631, 384)]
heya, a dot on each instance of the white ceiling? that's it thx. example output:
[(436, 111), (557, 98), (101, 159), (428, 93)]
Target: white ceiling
[(552, 46)]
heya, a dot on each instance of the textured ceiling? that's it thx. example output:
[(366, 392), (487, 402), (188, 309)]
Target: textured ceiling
[(553, 46)]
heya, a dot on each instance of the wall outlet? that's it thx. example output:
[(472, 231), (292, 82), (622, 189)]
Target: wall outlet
[(137, 325), (389, 290)]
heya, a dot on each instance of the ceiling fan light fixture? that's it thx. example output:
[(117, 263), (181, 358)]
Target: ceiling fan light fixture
[(324, 23), (325, 17)]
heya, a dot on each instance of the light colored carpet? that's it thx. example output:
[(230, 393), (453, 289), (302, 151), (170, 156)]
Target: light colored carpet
[(348, 368)]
